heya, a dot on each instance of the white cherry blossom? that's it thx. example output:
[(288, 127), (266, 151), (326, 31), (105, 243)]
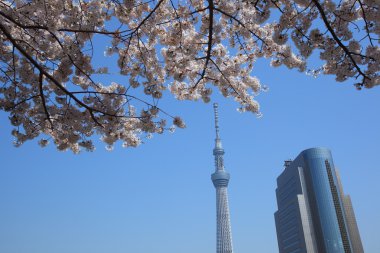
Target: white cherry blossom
[(48, 78)]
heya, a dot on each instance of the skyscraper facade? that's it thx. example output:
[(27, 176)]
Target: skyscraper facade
[(220, 179), (314, 215)]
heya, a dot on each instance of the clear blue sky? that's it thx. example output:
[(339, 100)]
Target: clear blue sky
[(159, 197)]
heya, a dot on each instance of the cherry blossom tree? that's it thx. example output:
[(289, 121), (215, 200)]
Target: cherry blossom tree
[(49, 83)]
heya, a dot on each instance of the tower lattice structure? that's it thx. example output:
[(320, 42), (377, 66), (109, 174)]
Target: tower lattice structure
[(220, 179)]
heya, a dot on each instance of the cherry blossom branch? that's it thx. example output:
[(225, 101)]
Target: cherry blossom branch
[(209, 41), (41, 27), (134, 30), (22, 101), (42, 96), (229, 82), (241, 24), (124, 95), (365, 21), (71, 59), (337, 40), (51, 78)]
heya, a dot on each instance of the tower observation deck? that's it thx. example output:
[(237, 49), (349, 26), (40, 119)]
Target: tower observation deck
[(220, 179)]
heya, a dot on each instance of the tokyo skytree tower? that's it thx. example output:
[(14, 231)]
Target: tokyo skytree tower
[(220, 179)]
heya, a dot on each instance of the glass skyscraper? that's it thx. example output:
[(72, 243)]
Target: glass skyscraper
[(314, 215)]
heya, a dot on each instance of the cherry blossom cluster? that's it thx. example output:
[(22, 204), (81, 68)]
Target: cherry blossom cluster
[(189, 48)]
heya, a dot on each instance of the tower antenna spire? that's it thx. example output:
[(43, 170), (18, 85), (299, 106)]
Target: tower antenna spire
[(216, 120)]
